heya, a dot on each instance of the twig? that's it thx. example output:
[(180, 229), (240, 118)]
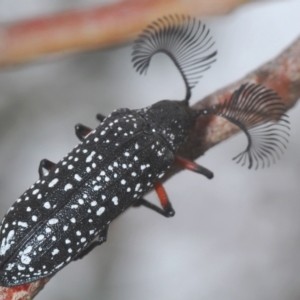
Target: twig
[(99, 27), (281, 74), (23, 292)]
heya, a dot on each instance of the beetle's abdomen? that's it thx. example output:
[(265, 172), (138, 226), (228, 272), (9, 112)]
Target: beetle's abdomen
[(63, 212)]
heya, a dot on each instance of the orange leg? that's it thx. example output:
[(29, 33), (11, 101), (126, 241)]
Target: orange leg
[(192, 166), (166, 210)]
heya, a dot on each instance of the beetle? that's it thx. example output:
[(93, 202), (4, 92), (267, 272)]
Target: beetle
[(67, 212)]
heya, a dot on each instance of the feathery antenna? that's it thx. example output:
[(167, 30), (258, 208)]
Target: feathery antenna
[(185, 40), (255, 109)]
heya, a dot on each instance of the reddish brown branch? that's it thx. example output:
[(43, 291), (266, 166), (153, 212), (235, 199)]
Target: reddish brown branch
[(98, 27), (281, 74), (23, 292)]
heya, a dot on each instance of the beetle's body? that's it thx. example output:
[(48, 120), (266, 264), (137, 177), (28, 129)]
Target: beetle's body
[(63, 212), (67, 211)]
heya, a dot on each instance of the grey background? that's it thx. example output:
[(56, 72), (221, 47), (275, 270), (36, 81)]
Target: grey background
[(235, 237)]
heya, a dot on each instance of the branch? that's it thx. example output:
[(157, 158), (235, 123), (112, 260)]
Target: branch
[(99, 27), (23, 292), (281, 74)]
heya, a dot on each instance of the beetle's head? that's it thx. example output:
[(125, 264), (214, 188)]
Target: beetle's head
[(170, 119)]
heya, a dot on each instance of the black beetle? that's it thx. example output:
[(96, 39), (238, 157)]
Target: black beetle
[(66, 213)]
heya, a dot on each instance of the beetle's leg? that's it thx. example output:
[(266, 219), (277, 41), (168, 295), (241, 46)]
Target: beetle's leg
[(82, 131), (167, 209), (100, 240), (47, 165), (100, 117), (192, 166)]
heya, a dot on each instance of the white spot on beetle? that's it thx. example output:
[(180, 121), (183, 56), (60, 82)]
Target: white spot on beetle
[(78, 233), (73, 220), (35, 191), (137, 187), (9, 267), (123, 181), (21, 268), (90, 157), (54, 252), (6, 242), (40, 237), (34, 218), (22, 224), (126, 153), (88, 169), (53, 221), (68, 186), (97, 187), (47, 205), (53, 182), (94, 203), (100, 211), (25, 259), (28, 208), (80, 201), (115, 200), (65, 228)]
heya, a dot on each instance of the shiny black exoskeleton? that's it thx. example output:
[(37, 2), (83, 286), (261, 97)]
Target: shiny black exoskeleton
[(66, 213)]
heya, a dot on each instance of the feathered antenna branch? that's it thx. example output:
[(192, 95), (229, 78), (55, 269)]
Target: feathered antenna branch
[(185, 40), (255, 109)]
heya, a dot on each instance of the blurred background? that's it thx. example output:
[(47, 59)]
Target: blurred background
[(234, 237)]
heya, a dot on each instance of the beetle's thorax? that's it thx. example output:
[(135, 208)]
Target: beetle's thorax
[(170, 119)]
